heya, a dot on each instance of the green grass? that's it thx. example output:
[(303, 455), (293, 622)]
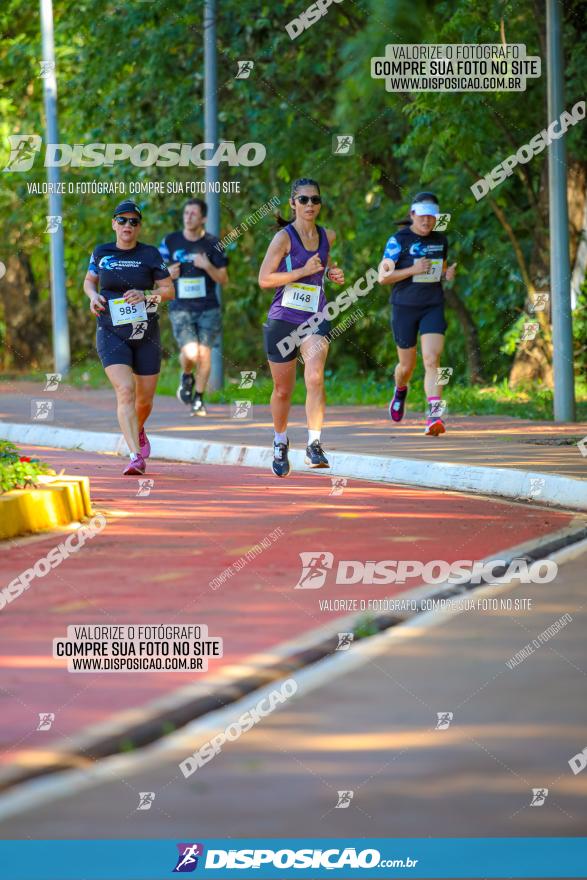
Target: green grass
[(352, 389)]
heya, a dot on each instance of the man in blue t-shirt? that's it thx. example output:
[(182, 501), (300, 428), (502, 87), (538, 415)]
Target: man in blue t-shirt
[(196, 262)]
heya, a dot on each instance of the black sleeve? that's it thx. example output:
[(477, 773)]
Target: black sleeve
[(158, 266), (216, 254)]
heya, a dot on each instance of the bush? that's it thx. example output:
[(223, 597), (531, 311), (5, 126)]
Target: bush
[(18, 471)]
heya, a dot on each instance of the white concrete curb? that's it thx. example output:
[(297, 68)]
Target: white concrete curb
[(518, 485)]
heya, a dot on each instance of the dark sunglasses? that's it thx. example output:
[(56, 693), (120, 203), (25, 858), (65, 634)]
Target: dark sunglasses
[(303, 200), (122, 221)]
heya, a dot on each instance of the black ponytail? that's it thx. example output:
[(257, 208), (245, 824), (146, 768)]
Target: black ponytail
[(419, 197), (296, 185)]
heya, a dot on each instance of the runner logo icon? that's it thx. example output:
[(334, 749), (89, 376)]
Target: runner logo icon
[(187, 861), (315, 566), (23, 148)]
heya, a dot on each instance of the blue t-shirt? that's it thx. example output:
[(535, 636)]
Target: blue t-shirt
[(404, 248)]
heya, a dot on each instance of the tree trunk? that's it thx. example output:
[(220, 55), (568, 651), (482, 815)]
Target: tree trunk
[(470, 333)]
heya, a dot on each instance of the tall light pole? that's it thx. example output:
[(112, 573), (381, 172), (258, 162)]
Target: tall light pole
[(61, 351), (560, 269), (211, 171)]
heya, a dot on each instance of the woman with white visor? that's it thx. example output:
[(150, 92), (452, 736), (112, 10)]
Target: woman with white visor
[(414, 262)]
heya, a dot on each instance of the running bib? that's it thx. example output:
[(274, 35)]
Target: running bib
[(433, 273), (191, 288), (303, 297), (122, 312)]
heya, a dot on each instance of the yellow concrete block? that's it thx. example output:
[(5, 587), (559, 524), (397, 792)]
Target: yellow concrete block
[(57, 502)]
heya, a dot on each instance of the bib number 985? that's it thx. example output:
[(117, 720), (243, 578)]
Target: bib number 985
[(126, 313)]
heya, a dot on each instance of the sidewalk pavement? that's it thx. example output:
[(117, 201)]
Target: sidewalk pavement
[(155, 562), (373, 731), (490, 441)]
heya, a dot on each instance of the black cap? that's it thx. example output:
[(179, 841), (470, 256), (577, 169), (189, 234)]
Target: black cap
[(126, 206)]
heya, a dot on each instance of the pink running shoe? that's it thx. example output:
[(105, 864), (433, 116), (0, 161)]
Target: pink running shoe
[(136, 467), (144, 444), (398, 404)]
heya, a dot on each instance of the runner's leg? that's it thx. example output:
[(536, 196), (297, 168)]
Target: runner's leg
[(123, 381), (432, 346), (204, 364), (405, 366), (314, 351), (144, 393), (284, 380)]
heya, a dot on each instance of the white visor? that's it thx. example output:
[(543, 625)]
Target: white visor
[(420, 209)]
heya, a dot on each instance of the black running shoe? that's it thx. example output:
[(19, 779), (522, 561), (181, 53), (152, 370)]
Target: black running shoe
[(185, 392), (199, 407), (280, 463), (315, 456)]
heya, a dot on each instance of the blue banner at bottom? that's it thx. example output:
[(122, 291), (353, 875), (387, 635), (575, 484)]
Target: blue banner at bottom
[(530, 857)]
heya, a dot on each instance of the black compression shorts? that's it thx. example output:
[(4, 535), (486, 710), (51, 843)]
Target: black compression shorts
[(408, 321), (143, 355)]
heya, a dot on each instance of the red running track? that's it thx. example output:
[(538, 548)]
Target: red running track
[(156, 557)]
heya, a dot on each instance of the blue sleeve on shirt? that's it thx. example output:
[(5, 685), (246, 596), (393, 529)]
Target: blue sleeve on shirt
[(92, 267), (392, 249)]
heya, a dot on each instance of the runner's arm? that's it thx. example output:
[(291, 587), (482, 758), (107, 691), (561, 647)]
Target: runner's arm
[(277, 250), (91, 290), (388, 274), (333, 272)]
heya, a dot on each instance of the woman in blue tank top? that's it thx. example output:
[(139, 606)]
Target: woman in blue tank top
[(296, 266)]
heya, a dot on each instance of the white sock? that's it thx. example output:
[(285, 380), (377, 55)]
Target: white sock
[(313, 435), (280, 438)]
